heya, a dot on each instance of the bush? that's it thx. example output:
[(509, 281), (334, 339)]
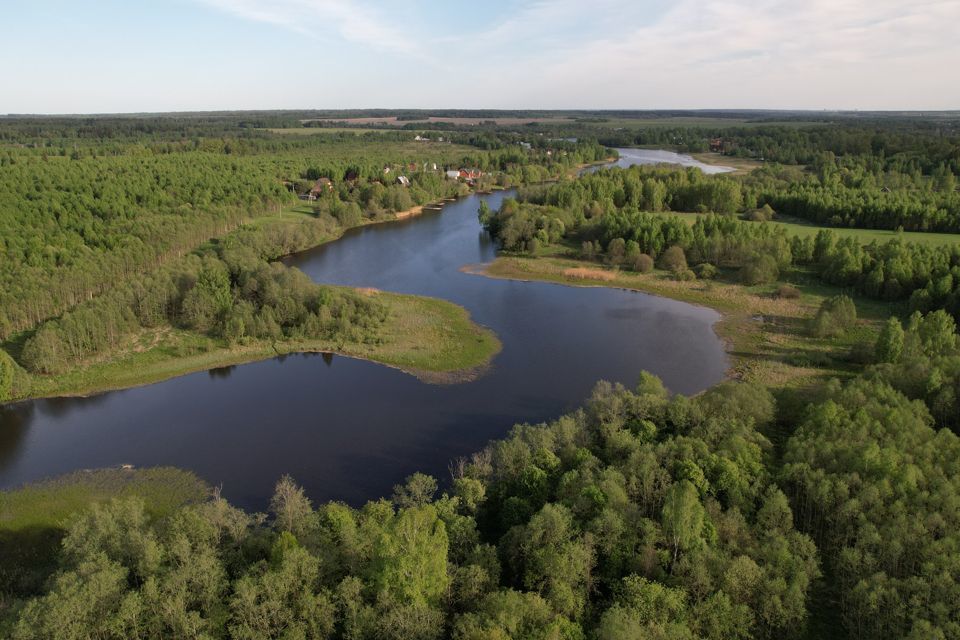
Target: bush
[(835, 316), (763, 214), (788, 291), (759, 269), (643, 263), (673, 259), (707, 271), (616, 249), (684, 275), (587, 250)]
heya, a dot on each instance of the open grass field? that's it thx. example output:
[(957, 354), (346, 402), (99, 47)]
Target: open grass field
[(394, 121), (314, 131), (796, 226), (690, 121), (598, 121)]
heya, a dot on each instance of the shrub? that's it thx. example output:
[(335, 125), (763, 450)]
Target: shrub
[(763, 214), (707, 271), (587, 251), (643, 263), (835, 316), (673, 259), (684, 275), (759, 269), (616, 249), (788, 291)]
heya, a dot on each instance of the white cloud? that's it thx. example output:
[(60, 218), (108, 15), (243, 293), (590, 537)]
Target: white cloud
[(819, 53), (353, 21), (656, 53)]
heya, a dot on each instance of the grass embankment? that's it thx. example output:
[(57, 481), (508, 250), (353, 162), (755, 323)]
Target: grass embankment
[(432, 339), (767, 336), (34, 518)]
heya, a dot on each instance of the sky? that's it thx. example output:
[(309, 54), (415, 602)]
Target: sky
[(120, 56)]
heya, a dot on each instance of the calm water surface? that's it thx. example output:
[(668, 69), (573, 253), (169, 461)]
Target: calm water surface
[(349, 430), (630, 157)]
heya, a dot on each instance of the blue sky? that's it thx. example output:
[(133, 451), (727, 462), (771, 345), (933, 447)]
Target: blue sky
[(172, 55)]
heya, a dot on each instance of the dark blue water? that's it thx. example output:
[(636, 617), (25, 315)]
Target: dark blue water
[(349, 430)]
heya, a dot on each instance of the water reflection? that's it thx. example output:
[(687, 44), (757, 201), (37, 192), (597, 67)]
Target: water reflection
[(221, 372)]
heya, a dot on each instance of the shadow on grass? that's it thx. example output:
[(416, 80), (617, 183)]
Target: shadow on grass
[(28, 557)]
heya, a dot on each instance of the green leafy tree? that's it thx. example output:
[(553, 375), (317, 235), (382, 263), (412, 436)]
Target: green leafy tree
[(6, 375), (418, 490), (890, 341), (410, 558), (291, 507), (682, 517), (835, 316)]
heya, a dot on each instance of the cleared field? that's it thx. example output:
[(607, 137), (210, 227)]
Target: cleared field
[(691, 121), (394, 121), (315, 131), (803, 229)]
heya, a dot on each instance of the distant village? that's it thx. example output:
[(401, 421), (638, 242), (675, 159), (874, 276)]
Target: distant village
[(399, 174), (395, 174)]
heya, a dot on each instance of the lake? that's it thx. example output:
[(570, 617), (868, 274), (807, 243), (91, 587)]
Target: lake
[(349, 430), (630, 157)]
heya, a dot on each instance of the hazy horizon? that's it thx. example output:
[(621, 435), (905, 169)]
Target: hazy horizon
[(113, 57)]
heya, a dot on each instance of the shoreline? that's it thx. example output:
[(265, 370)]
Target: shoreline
[(730, 373), (762, 335), (473, 351)]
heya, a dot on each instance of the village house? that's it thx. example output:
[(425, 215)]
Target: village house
[(453, 174), (321, 186), (403, 180)]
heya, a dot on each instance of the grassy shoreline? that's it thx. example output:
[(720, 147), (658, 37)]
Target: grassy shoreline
[(765, 336), (431, 339)]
